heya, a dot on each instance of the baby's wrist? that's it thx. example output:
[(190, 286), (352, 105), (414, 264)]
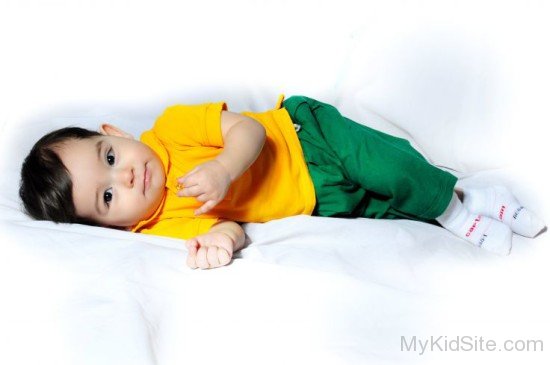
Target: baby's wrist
[(232, 238), (232, 230), (226, 165)]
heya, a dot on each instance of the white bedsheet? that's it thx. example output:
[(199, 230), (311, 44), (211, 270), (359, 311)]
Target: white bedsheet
[(305, 289)]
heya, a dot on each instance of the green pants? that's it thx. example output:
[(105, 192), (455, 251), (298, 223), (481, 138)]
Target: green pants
[(358, 171)]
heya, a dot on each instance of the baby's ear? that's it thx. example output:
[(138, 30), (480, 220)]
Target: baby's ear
[(110, 130)]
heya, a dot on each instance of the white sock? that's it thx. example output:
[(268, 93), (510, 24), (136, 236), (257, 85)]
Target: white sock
[(477, 229), (499, 203)]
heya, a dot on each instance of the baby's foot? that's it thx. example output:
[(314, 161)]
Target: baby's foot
[(484, 232), (499, 203), (477, 229)]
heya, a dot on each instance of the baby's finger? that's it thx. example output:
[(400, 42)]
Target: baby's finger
[(192, 244), (202, 262), (203, 197), (194, 190), (212, 256), (188, 179), (223, 256), (192, 253), (205, 208), (192, 261)]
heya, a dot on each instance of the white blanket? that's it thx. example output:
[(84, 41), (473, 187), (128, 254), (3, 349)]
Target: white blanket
[(462, 84)]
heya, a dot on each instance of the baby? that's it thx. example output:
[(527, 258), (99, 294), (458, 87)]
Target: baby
[(201, 170)]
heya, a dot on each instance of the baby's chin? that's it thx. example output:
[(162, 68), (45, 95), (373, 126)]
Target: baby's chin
[(155, 200)]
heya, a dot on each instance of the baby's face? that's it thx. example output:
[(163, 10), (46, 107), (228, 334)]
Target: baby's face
[(117, 181)]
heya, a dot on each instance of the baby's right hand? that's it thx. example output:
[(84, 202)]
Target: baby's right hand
[(209, 250), (208, 182)]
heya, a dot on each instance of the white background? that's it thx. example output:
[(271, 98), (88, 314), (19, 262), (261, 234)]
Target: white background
[(134, 55)]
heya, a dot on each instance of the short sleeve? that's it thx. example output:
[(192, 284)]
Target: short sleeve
[(191, 125), (183, 228)]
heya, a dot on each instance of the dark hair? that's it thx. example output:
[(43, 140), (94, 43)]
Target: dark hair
[(46, 185)]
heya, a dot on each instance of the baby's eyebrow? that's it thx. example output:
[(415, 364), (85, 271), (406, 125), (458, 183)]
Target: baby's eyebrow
[(97, 202), (98, 146)]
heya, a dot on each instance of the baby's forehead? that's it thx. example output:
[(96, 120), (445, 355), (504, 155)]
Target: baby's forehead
[(81, 159), (73, 142), (78, 152)]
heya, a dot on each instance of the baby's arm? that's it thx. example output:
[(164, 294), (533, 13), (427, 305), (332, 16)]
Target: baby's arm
[(215, 248), (243, 141)]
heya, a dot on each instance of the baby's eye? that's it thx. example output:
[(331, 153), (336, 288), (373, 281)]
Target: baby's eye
[(108, 196), (110, 157)]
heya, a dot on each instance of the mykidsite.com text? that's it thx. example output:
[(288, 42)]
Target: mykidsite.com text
[(467, 344)]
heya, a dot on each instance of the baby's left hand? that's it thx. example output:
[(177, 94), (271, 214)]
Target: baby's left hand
[(209, 250), (209, 182)]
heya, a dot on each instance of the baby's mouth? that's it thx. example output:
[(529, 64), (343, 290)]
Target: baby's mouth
[(146, 179)]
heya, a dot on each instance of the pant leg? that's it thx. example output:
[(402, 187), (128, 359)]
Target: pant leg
[(336, 195), (390, 178)]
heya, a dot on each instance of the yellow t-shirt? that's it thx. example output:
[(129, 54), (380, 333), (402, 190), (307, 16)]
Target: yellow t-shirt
[(276, 185)]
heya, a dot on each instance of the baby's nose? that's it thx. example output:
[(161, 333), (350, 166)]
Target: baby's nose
[(126, 177)]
